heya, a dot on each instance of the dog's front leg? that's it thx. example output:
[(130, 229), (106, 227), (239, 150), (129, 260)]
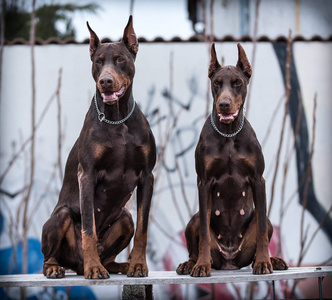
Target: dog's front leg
[(93, 269), (262, 263), (138, 265), (203, 264)]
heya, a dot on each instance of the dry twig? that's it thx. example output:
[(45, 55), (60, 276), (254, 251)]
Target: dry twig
[(253, 57), (288, 89)]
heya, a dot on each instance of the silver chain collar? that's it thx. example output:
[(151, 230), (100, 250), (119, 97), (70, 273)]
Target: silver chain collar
[(102, 118), (228, 135)]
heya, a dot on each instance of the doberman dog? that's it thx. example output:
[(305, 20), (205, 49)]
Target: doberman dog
[(231, 229), (114, 153)]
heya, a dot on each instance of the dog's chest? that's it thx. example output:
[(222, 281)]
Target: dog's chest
[(121, 153), (229, 161)]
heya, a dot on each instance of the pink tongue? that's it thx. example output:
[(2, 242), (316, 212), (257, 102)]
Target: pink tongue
[(112, 96), (228, 116)]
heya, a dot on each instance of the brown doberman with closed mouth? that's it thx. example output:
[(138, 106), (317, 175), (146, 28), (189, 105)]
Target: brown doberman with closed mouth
[(114, 154), (231, 229)]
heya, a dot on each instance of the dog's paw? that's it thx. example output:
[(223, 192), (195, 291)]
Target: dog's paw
[(53, 272), (201, 270), (278, 263), (95, 272), (185, 268), (262, 267), (138, 270)]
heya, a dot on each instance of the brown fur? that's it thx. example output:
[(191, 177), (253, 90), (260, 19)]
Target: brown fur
[(231, 229), (90, 225)]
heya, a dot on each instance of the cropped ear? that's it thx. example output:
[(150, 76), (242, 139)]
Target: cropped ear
[(94, 41), (243, 62), (214, 64), (129, 37)]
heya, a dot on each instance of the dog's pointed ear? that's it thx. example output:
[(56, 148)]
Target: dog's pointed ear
[(243, 62), (214, 64), (94, 41), (129, 37)]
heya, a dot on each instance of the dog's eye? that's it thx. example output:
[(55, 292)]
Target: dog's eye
[(217, 83), (237, 82), (120, 59), (99, 61)]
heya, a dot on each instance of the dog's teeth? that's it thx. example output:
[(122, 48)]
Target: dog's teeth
[(240, 236), (218, 194), (242, 212), (243, 193), (217, 212), (219, 236)]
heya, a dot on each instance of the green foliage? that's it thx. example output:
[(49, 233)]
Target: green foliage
[(18, 20)]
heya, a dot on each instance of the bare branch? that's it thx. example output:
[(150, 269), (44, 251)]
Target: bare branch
[(288, 89), (59, 126), (183, 190), (29, 139), (253, 57)]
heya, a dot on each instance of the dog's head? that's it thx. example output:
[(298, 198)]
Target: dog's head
[(229, 85), (113, 66)]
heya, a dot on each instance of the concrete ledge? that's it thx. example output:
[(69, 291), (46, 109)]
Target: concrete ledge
[(164, 277)]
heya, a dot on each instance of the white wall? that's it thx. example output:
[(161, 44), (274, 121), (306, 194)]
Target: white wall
[(190, 65)]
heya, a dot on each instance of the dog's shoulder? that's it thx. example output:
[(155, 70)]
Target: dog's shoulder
[(253, 146)]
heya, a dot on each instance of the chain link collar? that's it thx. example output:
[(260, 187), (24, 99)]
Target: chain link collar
[(228, 135), (101, 116)]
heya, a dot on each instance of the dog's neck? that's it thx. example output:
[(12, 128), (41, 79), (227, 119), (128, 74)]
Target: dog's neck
[(227, 128), (120, 109)]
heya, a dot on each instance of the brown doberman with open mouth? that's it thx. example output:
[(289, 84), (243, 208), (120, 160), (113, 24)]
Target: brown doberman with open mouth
[(114, 154), (231, 229)]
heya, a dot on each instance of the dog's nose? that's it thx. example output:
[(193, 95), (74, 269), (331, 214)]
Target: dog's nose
[(224, 104), (106, 80)]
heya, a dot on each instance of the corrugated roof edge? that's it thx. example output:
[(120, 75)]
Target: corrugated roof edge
[(175, 39)]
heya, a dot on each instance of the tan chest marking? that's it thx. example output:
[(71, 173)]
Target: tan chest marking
[(99, 150)]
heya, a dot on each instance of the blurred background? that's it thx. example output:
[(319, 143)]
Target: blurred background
[(47, 87)]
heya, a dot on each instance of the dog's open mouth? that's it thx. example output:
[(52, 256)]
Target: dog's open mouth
[(228, 118), (111, 97)]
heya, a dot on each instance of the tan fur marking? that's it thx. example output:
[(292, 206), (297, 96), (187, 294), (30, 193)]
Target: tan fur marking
[(70, 233), (51, 262), (146, 150), (89, 244), (209, 162), (92, 266), (249, 161), (138, 254), (99, 150)]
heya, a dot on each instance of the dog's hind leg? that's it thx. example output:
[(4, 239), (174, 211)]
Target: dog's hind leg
[(116, 238), (192, 238), (248, 248), (58, 228)]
